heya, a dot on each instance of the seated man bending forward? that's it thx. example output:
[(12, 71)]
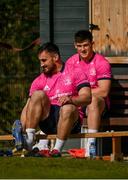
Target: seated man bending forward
[(56, 98)]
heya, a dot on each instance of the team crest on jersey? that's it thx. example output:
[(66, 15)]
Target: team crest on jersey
[(92, 71), (46, 88), (67, 81)]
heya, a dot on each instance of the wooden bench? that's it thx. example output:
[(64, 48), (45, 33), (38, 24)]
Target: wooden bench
[(117, 121), (116, 151)]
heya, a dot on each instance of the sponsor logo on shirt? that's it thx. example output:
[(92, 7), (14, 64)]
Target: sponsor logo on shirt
[(67, 81), (60, 95), (46, 88)]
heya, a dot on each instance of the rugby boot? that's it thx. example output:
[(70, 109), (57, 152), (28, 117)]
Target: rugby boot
[(55, 153)]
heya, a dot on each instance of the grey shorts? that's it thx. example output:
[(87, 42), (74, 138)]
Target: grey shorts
[(49, 125)]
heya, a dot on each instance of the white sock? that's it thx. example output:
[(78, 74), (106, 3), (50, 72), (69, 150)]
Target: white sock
[(30, 137), (59, 144), (90, 140)]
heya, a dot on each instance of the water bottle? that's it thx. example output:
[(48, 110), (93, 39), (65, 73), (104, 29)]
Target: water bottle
[(92, 151)]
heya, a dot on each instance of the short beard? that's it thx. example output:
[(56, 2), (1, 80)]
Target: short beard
[(47, 73)]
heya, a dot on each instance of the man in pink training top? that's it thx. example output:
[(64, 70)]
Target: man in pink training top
[(55, 101), (98, 71)]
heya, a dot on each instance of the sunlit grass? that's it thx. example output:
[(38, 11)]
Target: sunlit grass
[(38, 168)]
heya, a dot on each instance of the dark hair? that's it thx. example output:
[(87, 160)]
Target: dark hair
[(50, 47), (82, 35)]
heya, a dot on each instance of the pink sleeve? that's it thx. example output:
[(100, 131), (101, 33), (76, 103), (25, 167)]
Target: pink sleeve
[(33, 87), (103, 70), (37, 84), (80, 78)]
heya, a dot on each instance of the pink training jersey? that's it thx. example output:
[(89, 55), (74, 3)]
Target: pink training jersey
[(97, 69), (66, 82)]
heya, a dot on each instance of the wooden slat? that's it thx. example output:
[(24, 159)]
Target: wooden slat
[(118, 121), (120, 85), (115, 121), (88, 135), (6, 137), (121, 113), (80, 135), (119, 101), (121, 92), (118, 60), (120, 77)]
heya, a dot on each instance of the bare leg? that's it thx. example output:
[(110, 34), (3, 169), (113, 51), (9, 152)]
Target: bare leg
[(68, 116), (94, 112), (23, 117), (37, 109)]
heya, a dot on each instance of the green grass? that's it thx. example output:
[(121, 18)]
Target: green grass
[(64, 168)]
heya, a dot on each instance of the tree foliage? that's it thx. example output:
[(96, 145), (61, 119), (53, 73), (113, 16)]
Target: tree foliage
[(19, 26)]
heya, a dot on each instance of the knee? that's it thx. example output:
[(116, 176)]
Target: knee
[(38, 96), (68, 111), (97, 102)]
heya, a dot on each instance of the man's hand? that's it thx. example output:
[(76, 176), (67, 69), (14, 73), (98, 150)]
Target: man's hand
[(65, 100)]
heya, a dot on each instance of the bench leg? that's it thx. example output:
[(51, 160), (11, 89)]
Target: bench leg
[(99, 147), (116, 149)]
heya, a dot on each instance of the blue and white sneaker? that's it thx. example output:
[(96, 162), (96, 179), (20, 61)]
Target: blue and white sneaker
[(17, 134)]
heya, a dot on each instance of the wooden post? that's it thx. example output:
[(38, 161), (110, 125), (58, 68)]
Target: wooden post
[(116, 149)]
